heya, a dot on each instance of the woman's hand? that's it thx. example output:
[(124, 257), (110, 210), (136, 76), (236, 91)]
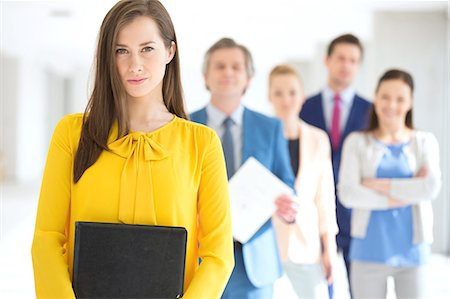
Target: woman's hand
[(327, 266), (380, 185), (395, 203), (287, 208), (423, 171), (383, 186)]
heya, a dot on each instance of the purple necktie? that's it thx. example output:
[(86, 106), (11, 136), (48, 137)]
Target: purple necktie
[(335, 123)]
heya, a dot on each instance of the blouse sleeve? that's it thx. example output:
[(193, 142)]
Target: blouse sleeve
[(325, 198), (416, 189), (51, 272), (351, 193), (215, 235)]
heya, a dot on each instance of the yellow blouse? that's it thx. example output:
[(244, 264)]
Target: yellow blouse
[(173, 176)]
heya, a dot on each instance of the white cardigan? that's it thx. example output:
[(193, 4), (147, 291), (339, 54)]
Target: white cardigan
[(301, 242), (361, 156)]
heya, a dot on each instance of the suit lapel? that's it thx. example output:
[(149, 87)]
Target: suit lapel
[(321, 117), (355, 119), (202, 117), (246, 135)]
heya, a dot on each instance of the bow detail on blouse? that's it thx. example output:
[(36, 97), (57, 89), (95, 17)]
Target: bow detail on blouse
[(136, 202)]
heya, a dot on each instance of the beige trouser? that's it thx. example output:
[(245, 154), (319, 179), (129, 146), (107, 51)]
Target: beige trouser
[(369, 280)]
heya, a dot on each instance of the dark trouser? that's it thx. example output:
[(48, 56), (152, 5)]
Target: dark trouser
[(239, 286)]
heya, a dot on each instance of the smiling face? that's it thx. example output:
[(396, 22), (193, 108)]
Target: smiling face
[(286, 95), (141, 58), (393, 100), (226, 75)]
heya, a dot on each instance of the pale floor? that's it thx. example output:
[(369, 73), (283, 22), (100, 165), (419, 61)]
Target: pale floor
[(17, 216)]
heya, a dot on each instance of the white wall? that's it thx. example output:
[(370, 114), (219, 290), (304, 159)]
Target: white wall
[(46, 66), (9, 89)]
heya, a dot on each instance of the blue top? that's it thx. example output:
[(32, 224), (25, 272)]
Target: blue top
[(389, 238)]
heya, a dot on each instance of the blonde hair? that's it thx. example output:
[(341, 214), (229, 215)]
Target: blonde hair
[(284, 69)]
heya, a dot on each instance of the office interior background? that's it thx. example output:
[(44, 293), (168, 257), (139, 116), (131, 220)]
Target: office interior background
[(47, 50)]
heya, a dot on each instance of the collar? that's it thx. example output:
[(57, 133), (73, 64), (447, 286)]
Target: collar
[(347, 94), (216, 116)]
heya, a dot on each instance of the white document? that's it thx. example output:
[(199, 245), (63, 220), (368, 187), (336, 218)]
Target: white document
[(253, 191)]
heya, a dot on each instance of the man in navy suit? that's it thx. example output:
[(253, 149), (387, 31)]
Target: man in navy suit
[(227, 70), (338, 110)]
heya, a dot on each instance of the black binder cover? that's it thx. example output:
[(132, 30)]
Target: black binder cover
[(128, 261)]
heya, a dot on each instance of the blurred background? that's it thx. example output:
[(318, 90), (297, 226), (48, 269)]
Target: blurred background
[(47, 50)]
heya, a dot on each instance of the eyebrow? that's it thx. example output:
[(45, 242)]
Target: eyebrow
[(143, 44)]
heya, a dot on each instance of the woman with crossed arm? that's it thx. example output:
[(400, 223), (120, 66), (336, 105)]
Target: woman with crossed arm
[(389, 175)]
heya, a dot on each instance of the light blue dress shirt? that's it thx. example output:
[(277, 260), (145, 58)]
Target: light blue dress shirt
[(215, 121), (346, 102)]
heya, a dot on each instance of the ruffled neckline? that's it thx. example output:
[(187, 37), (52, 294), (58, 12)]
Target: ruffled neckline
[(139, 149), (125, 146)]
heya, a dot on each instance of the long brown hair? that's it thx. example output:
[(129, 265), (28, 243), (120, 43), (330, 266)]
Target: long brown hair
[(393, 74), (107, 103)]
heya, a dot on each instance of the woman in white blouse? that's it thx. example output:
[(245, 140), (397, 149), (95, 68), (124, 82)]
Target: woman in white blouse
[(307, 246), (388, 176)]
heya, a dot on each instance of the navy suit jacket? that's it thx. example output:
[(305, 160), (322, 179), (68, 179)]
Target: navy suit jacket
[(312, 112), (263, 139)]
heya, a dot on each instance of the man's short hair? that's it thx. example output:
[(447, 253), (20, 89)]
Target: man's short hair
[(344, 39), (228, 43)]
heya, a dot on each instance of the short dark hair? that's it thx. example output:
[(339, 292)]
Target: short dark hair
[(344, 39), (393, 74)]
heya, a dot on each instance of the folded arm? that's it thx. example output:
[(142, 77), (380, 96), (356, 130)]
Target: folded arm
[(352, 193), (425, 185)]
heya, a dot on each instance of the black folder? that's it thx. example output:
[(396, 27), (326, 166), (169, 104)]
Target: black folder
[(128, 261)]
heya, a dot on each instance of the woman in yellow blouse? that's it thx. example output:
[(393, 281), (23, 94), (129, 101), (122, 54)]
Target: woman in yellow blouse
[(133, 158)]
